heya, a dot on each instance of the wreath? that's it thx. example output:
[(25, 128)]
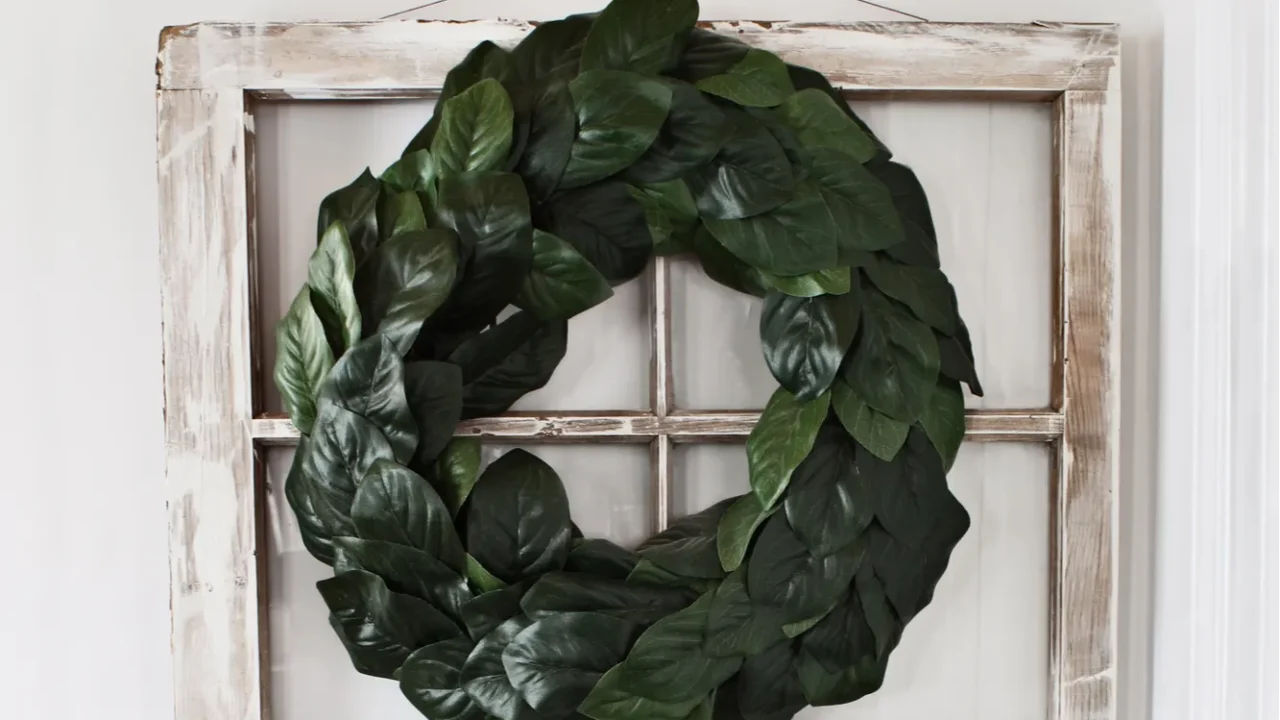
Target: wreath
[(548, 174)]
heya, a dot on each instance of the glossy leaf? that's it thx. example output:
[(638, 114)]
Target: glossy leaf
[(475, 129), (483, 613), (735, 625), (405, 570), (597, 556), (859, 205), (456, 471), (643, 36), (400, 212), (668, 661), (506, 361), (485, 679), (619, 115), (943, 420), (912, 489), (518, 518), (878, 433), (822, 126), (380, 628), (708, 53), (670, 214), (303, 361), (612, 698), (830, 504), (356, 207), (823, 688), (910, 573), (781, 440), (759, 79), (562, 283), (692, 135), (833, 281), (805, 79), (737, 528), (893, 366), (395, 505), (485, 60), (431, 680), (416, 171), (688, 546), (798, 237), (750, 175), (552, 129), (331, 275), (555, 662), (956, 358), (479, 576), (561, 592), (805, 339), (925, 290), (369, 381), (552, 50), (783, 573), (724, 267), (649, 573), (405, 282), (605, 224), (433, 391), (768, 686), (842, 637)]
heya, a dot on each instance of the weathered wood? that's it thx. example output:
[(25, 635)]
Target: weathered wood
[(1083, 588), (331, 60), (661, 391), (209, 466)]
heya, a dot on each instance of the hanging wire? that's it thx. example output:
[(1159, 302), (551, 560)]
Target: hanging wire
[(893, 10), (415, 7), (864, 2)]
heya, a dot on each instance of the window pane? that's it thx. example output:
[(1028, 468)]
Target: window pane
[(706, 474), (307, 150), (987, 168)]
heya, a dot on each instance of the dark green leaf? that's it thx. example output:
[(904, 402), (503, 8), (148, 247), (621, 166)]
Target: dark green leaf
[(722, 266), (759, 79), (668, 662), (688, 546), (804, 78), (380, 628), (552, 129), (750, 175), (801, 627), (555, 662), (400, 212), (619, 115), (405, 281), (737, 527), (956, 358), (484, 613), (781, 440), (605, 224), (842, 637), (910, 573), (670, 214), (562, 283), (708, 53), (303, 360), (833, 281), (893, 366), (823, 688), (880, 434), (822, 125), (456, 471), (330, 275), (551, 49), (908, 197), (430, 678), (859, 205), (369, 381), (799, 157), (912, 489), (650, 574), (356, 207), (830, 504), (396, 505), (735, 625), (769, 687), (614, 699), (475, 129), (691, 136), (559, 592), (784, 574), (643, 36), (797, 238), (597, 556), (943, 420), (405, 570), (506, 361), (924, 290), (805, 338), (485, 679), (480, 577), (880, 616), (416, 171), (518, 518), (485, 60), (434, 393)]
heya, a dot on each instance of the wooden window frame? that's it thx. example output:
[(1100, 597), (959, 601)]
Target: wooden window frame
[(212, 75)]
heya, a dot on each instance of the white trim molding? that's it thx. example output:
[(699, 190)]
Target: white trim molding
[(1216, 601)]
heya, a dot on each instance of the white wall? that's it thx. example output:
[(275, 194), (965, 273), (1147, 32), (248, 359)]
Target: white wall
[(84, 595)]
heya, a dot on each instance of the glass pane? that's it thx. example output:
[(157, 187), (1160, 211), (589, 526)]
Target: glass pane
[(703, 475), (311, 677), (987, 168), (307, 150)]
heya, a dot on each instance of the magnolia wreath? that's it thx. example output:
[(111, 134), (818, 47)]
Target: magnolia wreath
[(548, 174)]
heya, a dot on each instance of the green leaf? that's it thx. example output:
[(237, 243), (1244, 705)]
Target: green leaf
[(405, 570), (912, 489), (416, 171), (330, 275), (805, 78), (395, 505), (562, 283), (484, 613), (551, 50), (430, 679), (555, 662), (490, 213), (613, 699), (399, 213), (552, 129), (560, 592), (434, 393), (735, 625), (518, 518), (506, 361), (893, 366), (805, 339), (356, 207), (781, 440), (605, 224), (829, 504), (601, 557), (943, 420), (832, 281), (303, 360), (691, 136), (859, 205), (768, 686), (485, 679), (823, 688), (759, 79), (670, 214), (880, 616), (369, 381), (796, 238), (668, 662), (750, 175), (485, 60), (405, 282), (456, 471), (643, 36), (822, 125), (475, 129), (722, 266), (688, 546), (737, 527), (908, 197), (380, 628), (708, 53), (619, 115), (801, 627), (878, 433), (783, 573), (925, 290), (956, 358), (480, 576)]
